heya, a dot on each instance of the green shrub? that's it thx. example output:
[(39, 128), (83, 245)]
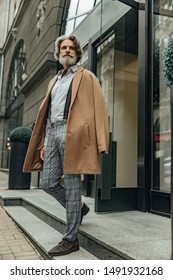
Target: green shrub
[(168, 62), (20, 134)]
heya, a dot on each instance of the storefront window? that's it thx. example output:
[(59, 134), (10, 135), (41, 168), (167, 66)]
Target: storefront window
[(17, 70), (117, 69), (163, 22)]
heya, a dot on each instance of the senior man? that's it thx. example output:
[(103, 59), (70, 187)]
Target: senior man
[(70, 133)]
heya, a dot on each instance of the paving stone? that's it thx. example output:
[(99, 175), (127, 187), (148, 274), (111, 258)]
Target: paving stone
[(13, 244), (8, 257)]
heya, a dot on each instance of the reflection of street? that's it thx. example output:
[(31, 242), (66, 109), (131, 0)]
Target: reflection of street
[(162, 173), (167, 175), (167, 184), (167, 166), (162, 152)]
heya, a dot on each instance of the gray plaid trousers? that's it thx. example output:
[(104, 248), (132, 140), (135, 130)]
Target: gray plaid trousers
[(69, 195)]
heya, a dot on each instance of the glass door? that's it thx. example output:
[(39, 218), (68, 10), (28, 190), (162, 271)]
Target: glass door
[(117, 70)]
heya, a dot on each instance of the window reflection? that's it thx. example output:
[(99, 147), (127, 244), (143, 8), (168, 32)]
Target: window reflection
[(69, 26), (84, 59), (161, 101), (105, 72), (78, 10), (73, 8), (85, 6), (17, 70), (117, 69)]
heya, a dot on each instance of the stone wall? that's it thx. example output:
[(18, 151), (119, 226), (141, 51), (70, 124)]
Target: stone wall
[(37, 23)]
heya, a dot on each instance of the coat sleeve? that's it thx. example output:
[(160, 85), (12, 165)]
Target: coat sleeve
[(101, 117), (33, 161)]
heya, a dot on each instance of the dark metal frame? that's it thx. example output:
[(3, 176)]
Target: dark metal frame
[(148, 102), (141, 201)]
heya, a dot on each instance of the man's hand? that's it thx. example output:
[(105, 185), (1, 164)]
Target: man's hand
[(42, 152)]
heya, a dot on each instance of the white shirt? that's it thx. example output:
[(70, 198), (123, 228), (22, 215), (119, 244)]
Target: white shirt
[(58, 98)]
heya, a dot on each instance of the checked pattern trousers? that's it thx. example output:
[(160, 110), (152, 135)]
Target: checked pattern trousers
[(69, 194)]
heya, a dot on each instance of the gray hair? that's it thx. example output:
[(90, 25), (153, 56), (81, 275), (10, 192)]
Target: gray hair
[(76, 42)]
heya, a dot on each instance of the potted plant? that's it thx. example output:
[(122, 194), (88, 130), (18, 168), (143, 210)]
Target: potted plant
[(19, 139)]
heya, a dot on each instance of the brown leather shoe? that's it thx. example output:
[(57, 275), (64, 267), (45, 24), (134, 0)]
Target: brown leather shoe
[(84, 211), (64, 247)]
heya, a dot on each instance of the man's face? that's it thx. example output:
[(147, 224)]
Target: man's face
[(67, 54)]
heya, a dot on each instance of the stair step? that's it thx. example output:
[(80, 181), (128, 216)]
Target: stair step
[(91, 234), (43, 236)]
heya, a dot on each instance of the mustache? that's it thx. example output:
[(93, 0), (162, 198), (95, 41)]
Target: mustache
[(67, 55)]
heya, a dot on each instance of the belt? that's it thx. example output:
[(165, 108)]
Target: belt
[(58, 122)]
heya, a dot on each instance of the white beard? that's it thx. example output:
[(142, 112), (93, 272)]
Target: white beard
[(68, 60)]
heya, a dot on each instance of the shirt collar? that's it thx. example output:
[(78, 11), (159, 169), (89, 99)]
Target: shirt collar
[(71, 69)]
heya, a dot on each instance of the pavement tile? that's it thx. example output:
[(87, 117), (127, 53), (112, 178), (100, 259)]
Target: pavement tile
[(28, 258), (26, 247), (15, 248), (25, 253), (3, 242), (13, 243), (9, 237), (3, 248), (16, 242), (8, 257)]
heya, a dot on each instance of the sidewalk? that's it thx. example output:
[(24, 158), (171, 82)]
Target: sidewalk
[(13, 244)]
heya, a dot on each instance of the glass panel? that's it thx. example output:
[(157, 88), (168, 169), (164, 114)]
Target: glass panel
[(78, 10), (69, 27), (125, 129), (73, 8), (85, 6), (117, 69), (84, 59), (105, 72), (161, 100), (164, 4), (17, 69), (78, 20)]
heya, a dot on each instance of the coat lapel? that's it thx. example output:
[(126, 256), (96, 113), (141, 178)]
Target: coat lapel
[(76, 83)]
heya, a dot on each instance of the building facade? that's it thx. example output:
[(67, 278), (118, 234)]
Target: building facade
[(124, 42)]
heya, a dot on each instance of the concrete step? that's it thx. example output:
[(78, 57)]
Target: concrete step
[(122, 235), (45, 208), (43, 236)]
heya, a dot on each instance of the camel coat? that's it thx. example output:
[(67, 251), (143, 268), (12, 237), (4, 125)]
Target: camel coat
[(87, 128)]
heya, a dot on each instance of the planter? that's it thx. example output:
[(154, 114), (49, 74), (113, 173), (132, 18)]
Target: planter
[(17, 178), (19, 139)]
